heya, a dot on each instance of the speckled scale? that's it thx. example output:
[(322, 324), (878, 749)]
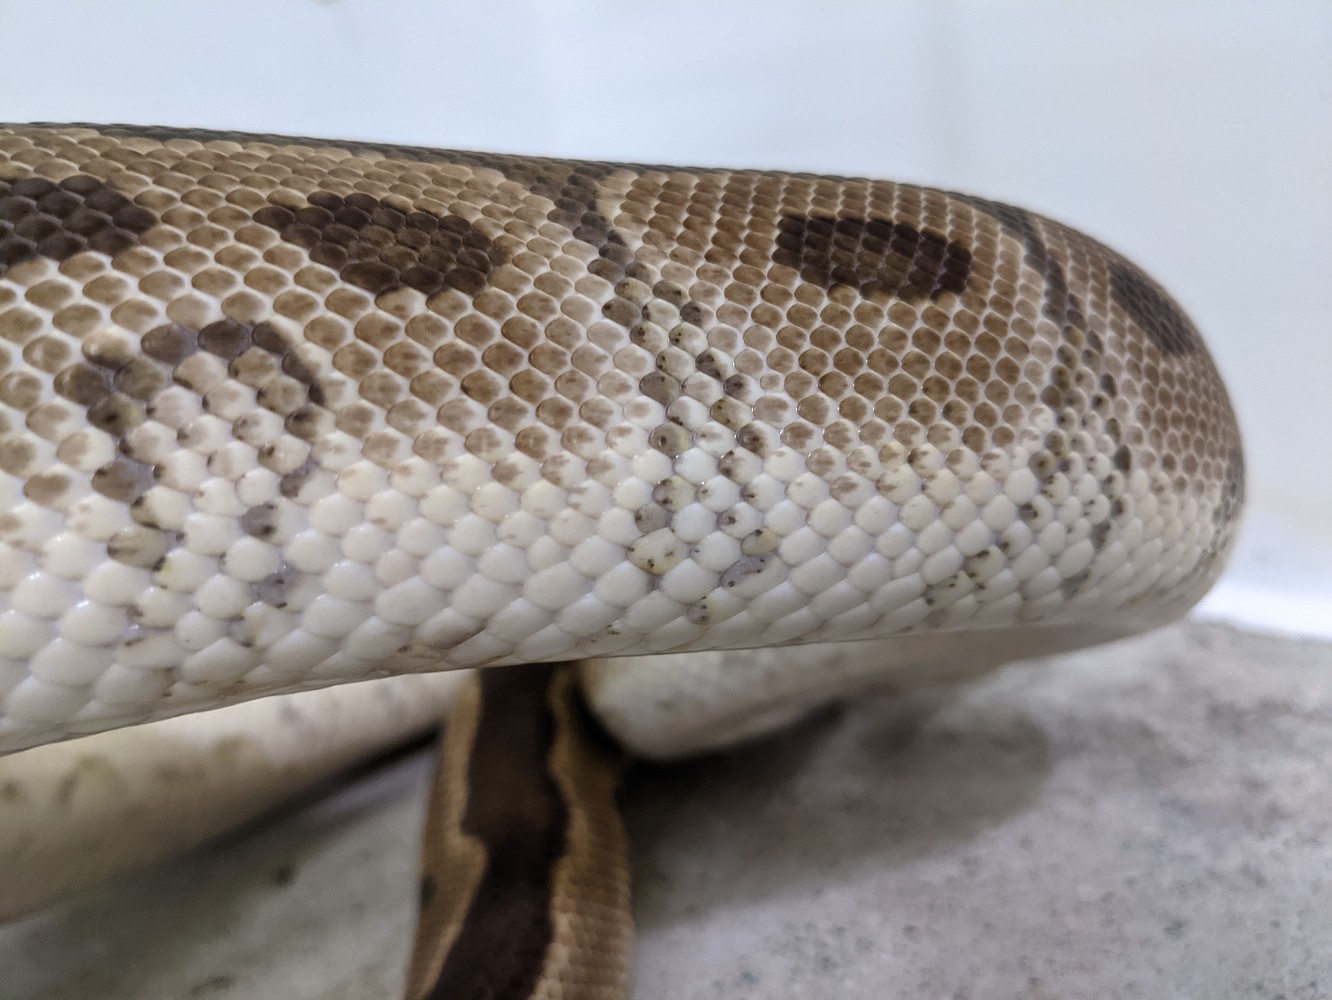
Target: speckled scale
[(282, 412)]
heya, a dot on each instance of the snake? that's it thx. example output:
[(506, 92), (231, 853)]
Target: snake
[(671, 455)]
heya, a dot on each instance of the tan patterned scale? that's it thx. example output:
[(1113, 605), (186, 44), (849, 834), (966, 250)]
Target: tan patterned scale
[(280, 413)]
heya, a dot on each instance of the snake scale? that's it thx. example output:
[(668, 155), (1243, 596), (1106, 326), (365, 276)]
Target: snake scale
[(279, 414)]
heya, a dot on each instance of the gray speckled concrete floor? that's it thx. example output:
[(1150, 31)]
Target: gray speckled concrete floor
[(1149, 820)]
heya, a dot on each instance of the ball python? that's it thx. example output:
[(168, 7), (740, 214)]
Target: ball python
[(279, 414)]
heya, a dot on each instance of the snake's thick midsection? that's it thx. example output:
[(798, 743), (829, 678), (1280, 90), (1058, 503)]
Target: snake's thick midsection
[(277, 412)]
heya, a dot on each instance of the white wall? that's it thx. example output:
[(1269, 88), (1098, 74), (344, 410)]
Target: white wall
[(1195, 135)]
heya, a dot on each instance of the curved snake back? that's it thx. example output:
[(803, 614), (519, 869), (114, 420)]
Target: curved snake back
[(280, 412)]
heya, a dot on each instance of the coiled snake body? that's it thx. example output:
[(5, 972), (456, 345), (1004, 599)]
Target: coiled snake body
[(284, 413)]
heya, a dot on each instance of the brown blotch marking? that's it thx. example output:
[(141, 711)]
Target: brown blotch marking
[(380, 247), (290, 485), (306, 422), (515, 810), (170, 344), (257, 522), (42, 218), (273, 589), (124, 479), (226, 338), (1085, 346), (1151, 307), (140, 379), (112, 385), (1100, 534), (1061, 305), (116, 415), (47, 488), (238, 344), (16, 455), (84, 384), (880, 259), (572, 187), (299, 369)]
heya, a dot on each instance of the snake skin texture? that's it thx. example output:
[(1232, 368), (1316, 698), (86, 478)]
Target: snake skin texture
[(82, 812), (525, 873), (279, 413)]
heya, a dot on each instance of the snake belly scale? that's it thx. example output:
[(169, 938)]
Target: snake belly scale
[(283, 413)]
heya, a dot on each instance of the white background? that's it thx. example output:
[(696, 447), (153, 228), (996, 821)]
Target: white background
[(1194, 136)]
